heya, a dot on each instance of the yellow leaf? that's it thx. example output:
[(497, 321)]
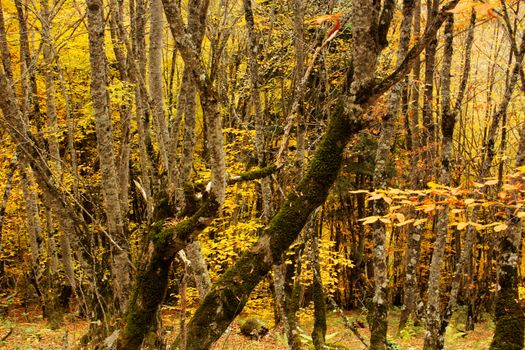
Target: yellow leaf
[(388, 200), (419, 222), (477, 226), (369, 220), (521, 214), (461, 8), (521, 168), (403, 223), (375, 197), (509, 187), (491, 182), (485, 10), (400, 217), (427, 208), (433, 185), (469, 201), (456, 211), (385, 220), (500, 227), (358, 191), (462, 225)]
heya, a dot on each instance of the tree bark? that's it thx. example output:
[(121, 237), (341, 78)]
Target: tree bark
[(413, 248), (319, 330), (7, 191), (435, 335), (509, 315), (120, 266), (466, 251), (378, 312), (230, 293)]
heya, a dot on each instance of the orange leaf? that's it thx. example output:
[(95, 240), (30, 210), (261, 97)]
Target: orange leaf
[(485, 10), (321, 19)]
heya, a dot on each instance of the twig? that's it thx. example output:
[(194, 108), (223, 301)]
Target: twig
[(350, 325), (7, 335)]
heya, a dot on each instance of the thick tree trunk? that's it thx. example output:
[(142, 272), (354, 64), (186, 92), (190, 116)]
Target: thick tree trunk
[(152, 279), (509, 315)]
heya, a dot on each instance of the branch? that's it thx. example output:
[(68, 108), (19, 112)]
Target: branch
[(253, 174), (368, 95)]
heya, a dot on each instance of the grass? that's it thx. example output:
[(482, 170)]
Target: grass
[(31, 332)]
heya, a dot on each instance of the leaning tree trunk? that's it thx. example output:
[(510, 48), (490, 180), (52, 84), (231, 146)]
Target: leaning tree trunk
[(228, 296)]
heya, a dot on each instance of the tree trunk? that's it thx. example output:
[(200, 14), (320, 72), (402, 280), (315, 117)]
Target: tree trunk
[(319, 330), (120, 265), (260, 138), (413, 248), (470, 237), (166, 150), (509, 315), (378, 312), (7, 191), (435, 335)]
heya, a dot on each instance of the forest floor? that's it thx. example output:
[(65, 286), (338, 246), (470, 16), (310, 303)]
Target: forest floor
[(29, 331)]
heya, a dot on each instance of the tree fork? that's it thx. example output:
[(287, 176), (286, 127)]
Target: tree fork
[(164, 242), (228, 296)]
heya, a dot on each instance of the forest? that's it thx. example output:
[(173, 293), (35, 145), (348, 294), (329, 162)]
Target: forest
[(257, 174)]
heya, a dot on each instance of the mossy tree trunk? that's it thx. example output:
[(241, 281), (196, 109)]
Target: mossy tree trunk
[(509, 315), (164, 242), (319, 331), (228, 296)]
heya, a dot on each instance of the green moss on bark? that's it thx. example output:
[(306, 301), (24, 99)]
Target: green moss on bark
[(228, 296), (254, 174), (151, 284), (319, 331), (509, 316), (152, 279)]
